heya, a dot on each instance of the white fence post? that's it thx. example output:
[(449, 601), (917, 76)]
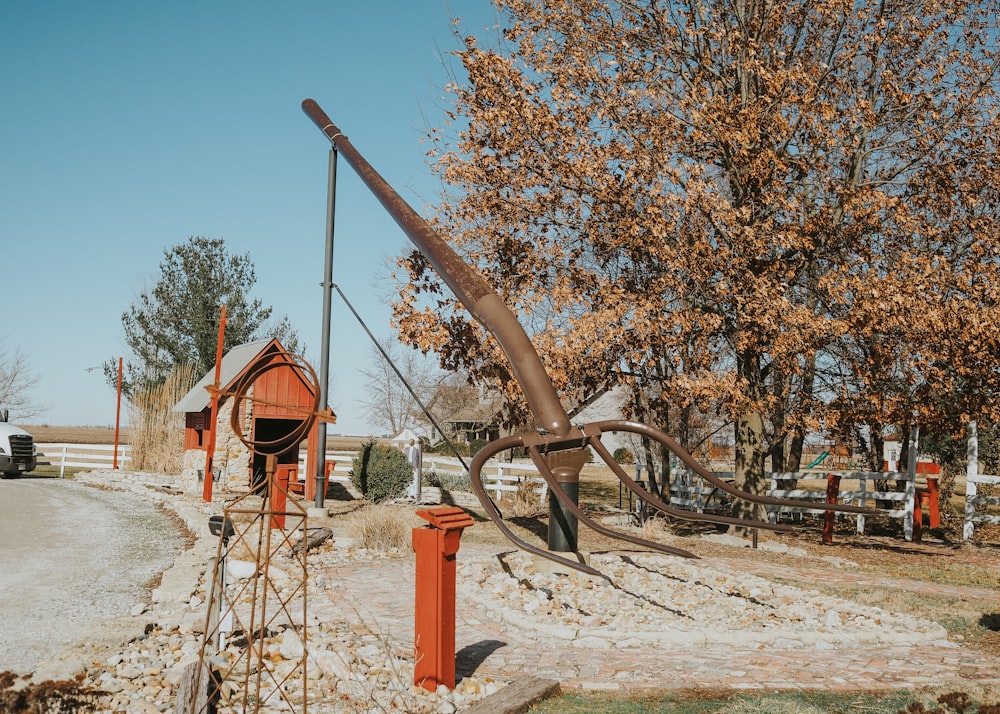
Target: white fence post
[(498, 494), (973, 500), (863, 489), (911, 482)]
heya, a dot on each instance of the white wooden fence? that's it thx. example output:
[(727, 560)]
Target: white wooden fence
[(340, 471), (690, 491), (499, 477), (973, 479), (507, 478), (91, 456)]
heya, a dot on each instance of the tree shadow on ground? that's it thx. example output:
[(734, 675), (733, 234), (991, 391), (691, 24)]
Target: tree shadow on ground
[(991, 621), (534, 524), (471, 657)]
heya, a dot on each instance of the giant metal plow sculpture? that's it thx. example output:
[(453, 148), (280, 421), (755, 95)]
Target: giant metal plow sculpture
[(558, 448)]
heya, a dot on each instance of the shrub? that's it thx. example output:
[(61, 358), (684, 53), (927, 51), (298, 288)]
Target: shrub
[(381, 472), (623, 455), (448, 480), (446, 449), (476, 445)]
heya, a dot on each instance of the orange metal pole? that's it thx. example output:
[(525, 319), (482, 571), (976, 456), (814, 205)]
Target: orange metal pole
[(213, 416), (118, 414)]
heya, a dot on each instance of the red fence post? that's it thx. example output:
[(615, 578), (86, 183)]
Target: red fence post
[(434, 610), (832, 491), (926, 497), (934, 504), (279, 494)]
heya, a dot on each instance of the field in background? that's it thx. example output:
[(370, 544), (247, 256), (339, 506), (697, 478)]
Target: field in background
[(45, 434)]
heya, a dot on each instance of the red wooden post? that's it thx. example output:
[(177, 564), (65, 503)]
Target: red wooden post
[(279, 494), (918, 516), (926, 497), (434, 611), (832, 491), (934, 504)]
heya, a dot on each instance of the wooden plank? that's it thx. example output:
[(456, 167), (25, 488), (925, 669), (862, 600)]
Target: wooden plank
[(314, 537), (192, 701), (517, 697)]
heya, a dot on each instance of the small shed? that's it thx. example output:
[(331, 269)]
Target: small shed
[(281, 400)]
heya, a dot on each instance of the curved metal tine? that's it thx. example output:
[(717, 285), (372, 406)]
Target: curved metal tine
[(491, 510), (680, 513), (566, 501), (657, 435)]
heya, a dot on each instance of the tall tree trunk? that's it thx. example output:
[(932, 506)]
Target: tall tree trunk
[(750, 464), (644, 412), (750, 447), (777, 454), (778, 419), (805, 395), (795, 449)]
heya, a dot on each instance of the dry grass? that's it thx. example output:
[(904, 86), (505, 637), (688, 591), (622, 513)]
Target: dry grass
[(655, 529), (524, 501), (381, 527), (155, 432)]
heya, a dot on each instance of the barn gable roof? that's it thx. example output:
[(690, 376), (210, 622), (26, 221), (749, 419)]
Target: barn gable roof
[(233, 364)]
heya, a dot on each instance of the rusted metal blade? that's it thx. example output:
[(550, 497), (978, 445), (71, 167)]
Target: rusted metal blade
[(558, 491), (680, 513), (692, 463)]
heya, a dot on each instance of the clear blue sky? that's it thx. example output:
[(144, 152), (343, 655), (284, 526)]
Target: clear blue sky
[(127, 127)]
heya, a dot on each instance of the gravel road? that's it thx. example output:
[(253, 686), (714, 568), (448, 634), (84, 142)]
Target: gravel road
[(71, 557)]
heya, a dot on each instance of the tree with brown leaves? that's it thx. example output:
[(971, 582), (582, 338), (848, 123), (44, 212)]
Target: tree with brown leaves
[(783, 211)]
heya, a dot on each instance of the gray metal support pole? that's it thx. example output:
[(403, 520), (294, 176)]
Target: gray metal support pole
[(324, 365)]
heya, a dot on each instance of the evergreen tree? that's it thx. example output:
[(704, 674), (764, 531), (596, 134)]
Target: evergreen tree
[(176, 322)]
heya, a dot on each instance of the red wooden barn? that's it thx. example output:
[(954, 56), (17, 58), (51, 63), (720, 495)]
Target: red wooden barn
[(281, 400)]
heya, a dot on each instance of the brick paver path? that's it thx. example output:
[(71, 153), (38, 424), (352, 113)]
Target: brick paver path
[(378, 597)]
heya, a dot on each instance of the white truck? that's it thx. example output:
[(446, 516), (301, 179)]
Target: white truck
[(17, 449)]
